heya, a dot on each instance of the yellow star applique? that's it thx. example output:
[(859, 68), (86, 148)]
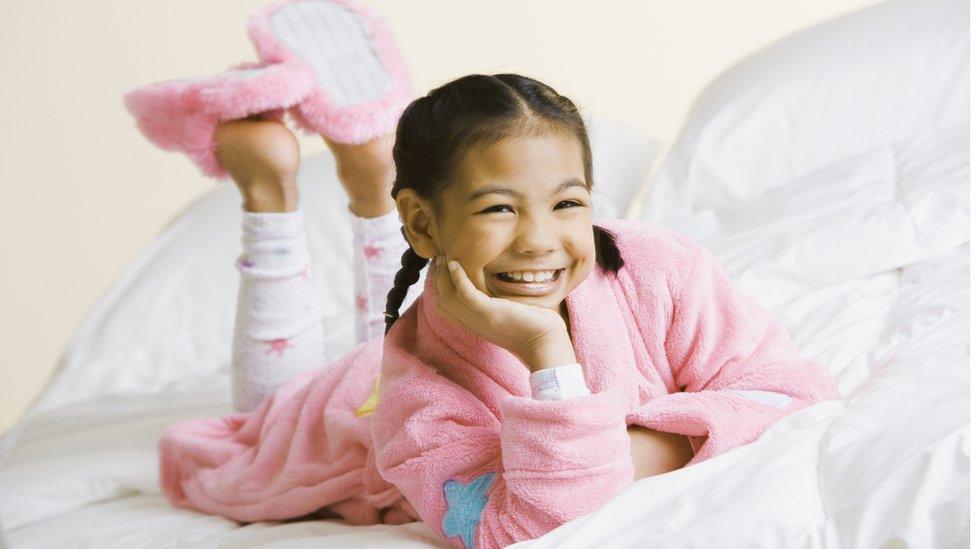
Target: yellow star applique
[(369, 406)]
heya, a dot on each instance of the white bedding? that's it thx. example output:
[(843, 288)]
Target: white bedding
[(888, 462), (863, 254)]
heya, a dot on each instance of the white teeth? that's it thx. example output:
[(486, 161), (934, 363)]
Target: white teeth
[(539, 276)]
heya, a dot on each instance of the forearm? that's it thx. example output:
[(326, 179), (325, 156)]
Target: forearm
[(655, 452), (563, 459), (652, 452)]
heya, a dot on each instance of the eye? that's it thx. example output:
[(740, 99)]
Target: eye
[(495, 208), (561, 206)]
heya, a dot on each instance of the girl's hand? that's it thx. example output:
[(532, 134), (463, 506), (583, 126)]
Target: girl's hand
[(536, 335), (656, 452)]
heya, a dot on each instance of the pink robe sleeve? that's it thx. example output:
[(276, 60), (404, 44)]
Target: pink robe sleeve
[(483, 483), (737, 366)]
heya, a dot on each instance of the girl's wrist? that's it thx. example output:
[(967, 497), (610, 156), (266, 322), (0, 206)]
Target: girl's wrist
[(550, 352), (558, 383)]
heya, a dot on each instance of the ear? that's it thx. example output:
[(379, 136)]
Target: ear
[(417, 215)]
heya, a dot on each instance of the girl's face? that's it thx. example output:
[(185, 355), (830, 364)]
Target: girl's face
[(522, 206)]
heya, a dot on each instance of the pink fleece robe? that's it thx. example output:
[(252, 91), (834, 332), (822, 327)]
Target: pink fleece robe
[(456, 440)]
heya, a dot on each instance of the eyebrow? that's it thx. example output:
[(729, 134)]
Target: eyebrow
[(498, 189)]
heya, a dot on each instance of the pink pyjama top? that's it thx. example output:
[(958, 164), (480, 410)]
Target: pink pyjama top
[(667, 343)]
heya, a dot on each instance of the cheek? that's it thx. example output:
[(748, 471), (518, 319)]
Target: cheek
[(584, 251), (475, 248), (591, 253)]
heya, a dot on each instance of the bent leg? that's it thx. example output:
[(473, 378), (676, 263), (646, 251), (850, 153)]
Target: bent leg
[(278, 328), (366, 173), (378, 246)]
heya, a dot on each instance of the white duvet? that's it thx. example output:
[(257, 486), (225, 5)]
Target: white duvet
[(864, 256)]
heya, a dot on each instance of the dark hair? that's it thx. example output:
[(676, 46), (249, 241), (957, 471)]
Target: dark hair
[(437, 130)]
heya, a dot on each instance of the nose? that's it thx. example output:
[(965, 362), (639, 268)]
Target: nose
[(536, 236)]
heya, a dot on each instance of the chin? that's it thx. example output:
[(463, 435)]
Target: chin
[(548, 302)]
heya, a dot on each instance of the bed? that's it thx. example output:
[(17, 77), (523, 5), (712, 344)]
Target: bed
[(829, 172)]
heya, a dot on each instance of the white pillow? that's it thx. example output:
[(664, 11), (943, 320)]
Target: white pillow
[(850, 84), (622, 158), (167, 323), (878, 210)]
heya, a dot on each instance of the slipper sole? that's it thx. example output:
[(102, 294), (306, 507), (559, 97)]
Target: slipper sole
[(362, 84)]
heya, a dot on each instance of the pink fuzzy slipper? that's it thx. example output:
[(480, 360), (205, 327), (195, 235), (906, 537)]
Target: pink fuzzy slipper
[(361, 83), (182, 115)]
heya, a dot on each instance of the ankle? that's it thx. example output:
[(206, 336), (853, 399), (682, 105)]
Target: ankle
[(263, 158), (369, 209), (270, 197), (368, 165), (373, 156), (367, 189)]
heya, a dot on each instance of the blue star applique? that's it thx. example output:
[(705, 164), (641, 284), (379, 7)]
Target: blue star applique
[(464, 505)]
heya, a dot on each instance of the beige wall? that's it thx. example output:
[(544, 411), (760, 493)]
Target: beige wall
[(84, 192)]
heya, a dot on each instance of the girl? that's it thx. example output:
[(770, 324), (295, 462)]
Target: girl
[(547, 364)]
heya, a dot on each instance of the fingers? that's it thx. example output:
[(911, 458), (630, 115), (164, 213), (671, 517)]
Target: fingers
[(442, 279), (470, 296), (456, 294), (444, 288)]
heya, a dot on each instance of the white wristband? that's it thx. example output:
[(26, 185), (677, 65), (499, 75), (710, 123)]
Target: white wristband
[(559, 383)]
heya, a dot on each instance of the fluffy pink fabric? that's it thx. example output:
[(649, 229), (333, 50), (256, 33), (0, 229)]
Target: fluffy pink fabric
[(664, 344), (318, 113), (182, 115)]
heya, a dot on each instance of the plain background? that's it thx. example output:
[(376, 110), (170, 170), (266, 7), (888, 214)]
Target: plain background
[(85, 192)]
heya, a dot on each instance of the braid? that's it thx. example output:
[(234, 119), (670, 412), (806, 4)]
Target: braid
[(409, 273)]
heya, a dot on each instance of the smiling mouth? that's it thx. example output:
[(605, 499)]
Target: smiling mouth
[(522, 287)]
